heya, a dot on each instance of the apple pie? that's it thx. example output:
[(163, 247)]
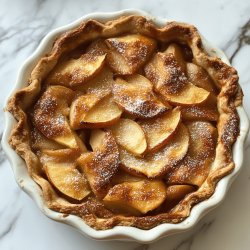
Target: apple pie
[(126, 123)]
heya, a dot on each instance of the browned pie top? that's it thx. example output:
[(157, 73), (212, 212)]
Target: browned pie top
[(127, 123)]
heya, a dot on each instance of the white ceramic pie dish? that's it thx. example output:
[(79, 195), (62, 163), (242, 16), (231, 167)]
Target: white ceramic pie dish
[(118, 232)]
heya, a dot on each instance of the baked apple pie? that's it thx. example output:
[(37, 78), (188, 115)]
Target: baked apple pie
[(126, 123)]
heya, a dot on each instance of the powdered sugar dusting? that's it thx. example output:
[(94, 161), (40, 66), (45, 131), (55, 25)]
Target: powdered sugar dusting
[(155, 163), (166, 74), (182, 158), (195, 166), (132, 49), (137, 100), (47, 119)]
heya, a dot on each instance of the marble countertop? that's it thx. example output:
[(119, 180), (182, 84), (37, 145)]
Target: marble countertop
[(226, 23)]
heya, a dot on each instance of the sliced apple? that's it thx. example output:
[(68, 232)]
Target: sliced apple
[(199, 77), (102, 83), (175, 193), (178, 192), (130, 135), (68, 181), (105, 113), (60, 168), (157, 164), (128, 53), (81, 106), (122, 176), (174, 49), (94, 111), (71, 140), (189, 96), (97, 139), (159, 131), (207, 134), (102, 164), (50, 116), (136, 97), (66, 156), (205, 111), (170, 81), (136, 197), (194, 168), (165, 73), (75, 72), (40, 142), (97, 48)]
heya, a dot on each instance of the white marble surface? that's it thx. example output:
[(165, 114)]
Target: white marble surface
[(22, 25)]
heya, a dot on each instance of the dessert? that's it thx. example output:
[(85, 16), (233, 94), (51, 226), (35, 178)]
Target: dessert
[(126, 123)]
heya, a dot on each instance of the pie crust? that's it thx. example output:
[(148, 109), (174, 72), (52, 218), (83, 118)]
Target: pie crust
[(92, 211)]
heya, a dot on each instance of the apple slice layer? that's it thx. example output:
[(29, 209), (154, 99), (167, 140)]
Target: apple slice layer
[(68, 181), (128, 53), (94, 110), (75, 72), (137, 197), (170, 81), (102, 164), (199, 77), (175, 50), (136, 97), (205, 111), (157, 164), (159, 130), (51, 116), (60, 168), (194, 168), (130, 135)]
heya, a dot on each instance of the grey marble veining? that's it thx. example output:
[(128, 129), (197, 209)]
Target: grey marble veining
[(243, 38), (226, 23)]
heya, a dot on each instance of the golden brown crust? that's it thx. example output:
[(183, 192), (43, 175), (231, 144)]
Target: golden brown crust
[(92, 211)]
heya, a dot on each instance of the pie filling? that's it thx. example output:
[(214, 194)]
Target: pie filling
[(128, 128)]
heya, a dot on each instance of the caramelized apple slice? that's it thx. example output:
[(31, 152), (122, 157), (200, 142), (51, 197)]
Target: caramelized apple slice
[(170, 81), (174, 49), (122, 176), (176, 193), (68, 181), (71, 140), (128, 53), (190, 95), (102, 164), (94, 111), (158, 131), (60, 168), (105, 113), (40, 142), (194, 168), (97, 139), (102, 83), (80, 107), (136, 197), (165, 73), (130, 135), (75, 72), (136, 97), (205, 111), (62, 157), (157, 164), (50, 116), (97, 48), (199, 77)]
